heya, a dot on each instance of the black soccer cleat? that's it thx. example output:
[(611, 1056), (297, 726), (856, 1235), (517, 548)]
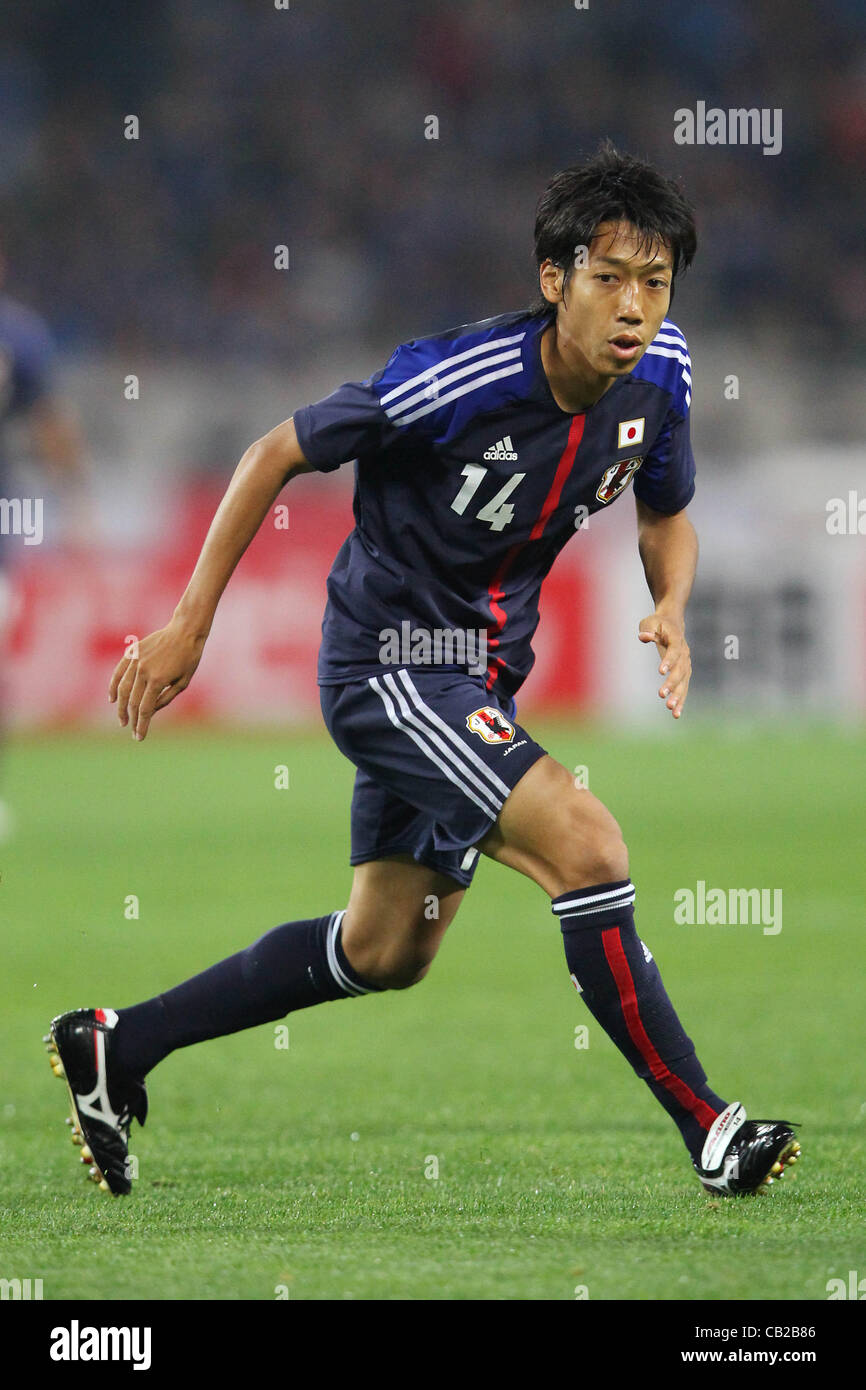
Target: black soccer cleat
[(742, 1156), (104, 1098)]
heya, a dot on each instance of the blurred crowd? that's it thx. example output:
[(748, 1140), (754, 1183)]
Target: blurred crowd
[(305, 126)]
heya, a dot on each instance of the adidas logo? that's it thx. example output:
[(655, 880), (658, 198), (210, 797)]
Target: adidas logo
[(502, 449)]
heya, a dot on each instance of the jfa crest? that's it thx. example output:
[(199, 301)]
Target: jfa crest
[(490, 724), (615, 478)]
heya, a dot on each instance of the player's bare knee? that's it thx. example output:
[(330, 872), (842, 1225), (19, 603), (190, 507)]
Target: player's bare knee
[(596, 852), (397, 972), (610, 860), (386, 959), (404, 977)]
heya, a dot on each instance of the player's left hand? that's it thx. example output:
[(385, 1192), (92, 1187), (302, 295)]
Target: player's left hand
[(676, 662)]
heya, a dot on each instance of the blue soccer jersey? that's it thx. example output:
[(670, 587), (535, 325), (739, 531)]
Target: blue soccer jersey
[(469, 480)]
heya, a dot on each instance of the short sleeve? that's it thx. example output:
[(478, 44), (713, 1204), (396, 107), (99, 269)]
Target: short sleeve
[(666, 479), (361, 417), (345, 425)]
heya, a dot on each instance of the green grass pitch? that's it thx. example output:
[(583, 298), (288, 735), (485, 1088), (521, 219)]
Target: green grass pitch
[(309, 1171)]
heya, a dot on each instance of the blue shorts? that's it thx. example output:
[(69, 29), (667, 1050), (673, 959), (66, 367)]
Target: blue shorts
[(436, 756)]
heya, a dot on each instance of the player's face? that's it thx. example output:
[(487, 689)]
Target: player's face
[(614, 303)]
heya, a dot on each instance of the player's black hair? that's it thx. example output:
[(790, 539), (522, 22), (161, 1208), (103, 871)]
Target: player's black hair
[(610, 187)]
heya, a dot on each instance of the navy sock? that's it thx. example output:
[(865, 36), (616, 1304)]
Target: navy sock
[(623, 990), (291, 967)]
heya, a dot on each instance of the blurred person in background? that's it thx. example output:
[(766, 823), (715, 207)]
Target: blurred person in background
[(28, 392)]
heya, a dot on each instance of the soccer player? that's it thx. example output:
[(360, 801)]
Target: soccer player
[(28, 393), (473, 450)]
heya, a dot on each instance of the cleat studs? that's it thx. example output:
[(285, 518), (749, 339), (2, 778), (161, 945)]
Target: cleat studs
[(94, 1174), (57, 1068), (69, 1120), (86, 1155), (777, 1168), (78, 1141), (103, 1186)]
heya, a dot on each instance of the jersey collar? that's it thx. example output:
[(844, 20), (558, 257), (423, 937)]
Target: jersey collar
[(539, 387)]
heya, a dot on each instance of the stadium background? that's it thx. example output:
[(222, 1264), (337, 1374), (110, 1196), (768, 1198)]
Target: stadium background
[(304, 128)]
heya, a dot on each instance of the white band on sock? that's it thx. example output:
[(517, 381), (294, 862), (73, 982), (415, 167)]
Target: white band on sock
[(585, 906), (339, 975)]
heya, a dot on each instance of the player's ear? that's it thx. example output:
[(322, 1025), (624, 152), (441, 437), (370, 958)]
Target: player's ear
[(550, 277)]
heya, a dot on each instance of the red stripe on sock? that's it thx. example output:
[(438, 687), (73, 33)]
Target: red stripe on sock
[(616, 959)]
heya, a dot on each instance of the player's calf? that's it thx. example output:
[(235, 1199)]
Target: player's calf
[(571, 845), (397, 915), (400, 911)]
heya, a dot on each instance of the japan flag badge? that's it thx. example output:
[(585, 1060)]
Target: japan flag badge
[(630, 432)]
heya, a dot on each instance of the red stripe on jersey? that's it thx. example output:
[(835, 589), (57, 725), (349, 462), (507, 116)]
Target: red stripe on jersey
[(563, 468), (616, 959), (495, 591)]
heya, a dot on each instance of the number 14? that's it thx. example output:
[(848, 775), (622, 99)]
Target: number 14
[(497, 511)]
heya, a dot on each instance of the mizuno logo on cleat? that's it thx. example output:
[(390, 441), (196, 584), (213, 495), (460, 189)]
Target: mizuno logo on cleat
[(721, 1131), (96, 1105)]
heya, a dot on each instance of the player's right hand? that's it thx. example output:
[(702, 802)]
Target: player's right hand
[(165, 664)]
